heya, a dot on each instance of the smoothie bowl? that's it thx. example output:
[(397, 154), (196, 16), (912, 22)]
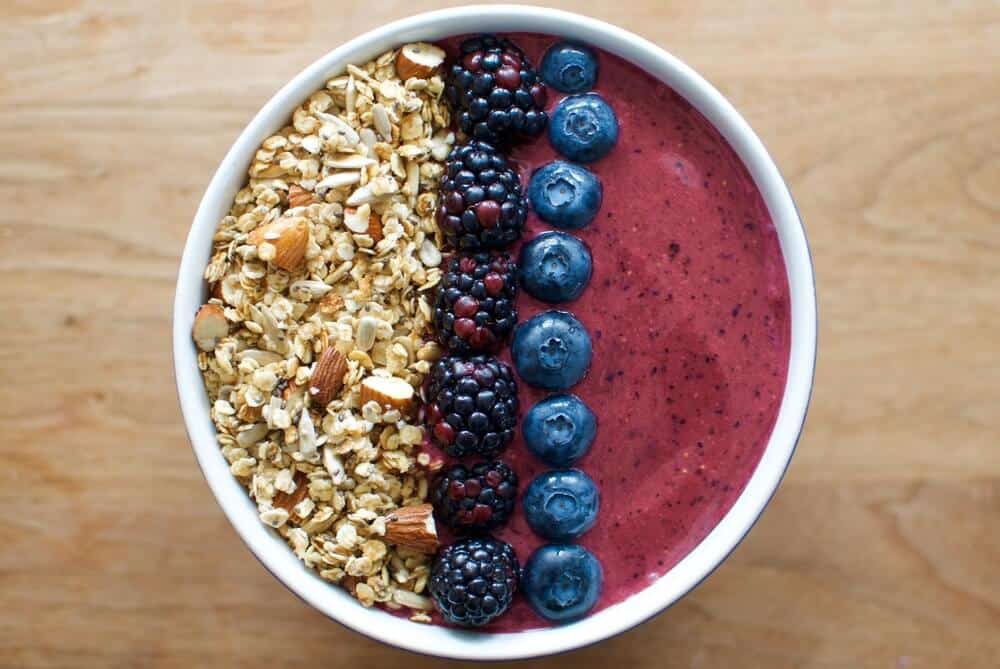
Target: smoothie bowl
[(495, 332)]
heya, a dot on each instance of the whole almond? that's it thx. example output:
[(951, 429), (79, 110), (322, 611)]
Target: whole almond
[(328, 377), (389, 392), (210, 325), (249, 414), (289, 236), (419, 59), (349, 583), (412, 527), (299, 196), (288, 501)]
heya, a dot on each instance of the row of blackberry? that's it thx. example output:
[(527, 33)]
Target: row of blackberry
[(497, 98), (495, 92), (482, 205), (476, 309)]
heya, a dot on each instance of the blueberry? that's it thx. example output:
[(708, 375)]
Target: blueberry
[(570, 68), (565, 195), (562, 582), (555, 267), (583, 128), (560, 429), (561, 504), (552, 350)]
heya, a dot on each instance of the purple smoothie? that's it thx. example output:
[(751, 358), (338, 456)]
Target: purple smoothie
[(688, 312)]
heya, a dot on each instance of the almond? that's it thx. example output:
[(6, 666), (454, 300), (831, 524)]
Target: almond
[(349, 583), (289, 236), (210, 325), (418, 59), (390, 392), (328, 377), (412, 600), (299, 196), (413, 527), (288, 501), (358, 219), (375, 227), (249, 414)]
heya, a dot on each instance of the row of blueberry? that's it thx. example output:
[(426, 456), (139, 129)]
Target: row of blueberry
[(553, 350), (497, 98)]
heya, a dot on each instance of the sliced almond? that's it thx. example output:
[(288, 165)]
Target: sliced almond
[(418, 59), (328, 377), (412, 600), (349, 161), (337, 126), (357, 219), (289, 236), (361, 196), (299, 196), (413, 527), (338, 180), (391, 392), (286, 501), (379, 188), (210, 325)]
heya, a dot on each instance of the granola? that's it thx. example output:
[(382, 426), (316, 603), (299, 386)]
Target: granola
[(316, 338)]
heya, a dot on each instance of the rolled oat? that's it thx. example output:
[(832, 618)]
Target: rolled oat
[(317, 332)]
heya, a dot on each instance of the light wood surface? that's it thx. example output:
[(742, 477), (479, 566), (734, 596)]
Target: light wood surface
[(882, 548)]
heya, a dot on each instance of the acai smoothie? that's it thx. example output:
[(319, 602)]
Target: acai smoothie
[(687, 311)]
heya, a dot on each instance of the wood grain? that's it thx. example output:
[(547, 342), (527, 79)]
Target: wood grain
[(882, 548)]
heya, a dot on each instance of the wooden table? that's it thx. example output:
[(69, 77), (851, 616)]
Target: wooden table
[(882, 548)]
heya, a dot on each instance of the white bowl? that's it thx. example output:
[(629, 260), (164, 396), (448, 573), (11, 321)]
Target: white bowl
[(706, 556)]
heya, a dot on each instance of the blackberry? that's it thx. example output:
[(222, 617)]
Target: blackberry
[(471, 405), (495, 92), (473, 581), (477, 498), (482, 205), (475, 308)]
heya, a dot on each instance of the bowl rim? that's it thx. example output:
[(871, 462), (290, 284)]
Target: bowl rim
[(704, 558)]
